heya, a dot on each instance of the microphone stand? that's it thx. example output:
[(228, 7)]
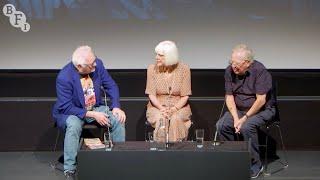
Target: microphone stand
[(215, 142), (110, 144), (169, 118)]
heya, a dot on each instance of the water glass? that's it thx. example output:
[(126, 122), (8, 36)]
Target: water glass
[(107, 141), (199, 137), (151, 141)]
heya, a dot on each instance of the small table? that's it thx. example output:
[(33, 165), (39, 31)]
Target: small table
[(183, 160)]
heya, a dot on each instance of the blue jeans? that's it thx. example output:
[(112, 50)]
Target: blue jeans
[(73, 133)]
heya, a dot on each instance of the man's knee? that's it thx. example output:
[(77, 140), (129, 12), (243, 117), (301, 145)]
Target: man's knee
[(118, 132), (222, 123), (119, 126), (219, 125), (74, 124), (248, 128)]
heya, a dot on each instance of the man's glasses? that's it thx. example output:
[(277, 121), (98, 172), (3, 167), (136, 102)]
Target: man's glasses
[(91, 66), (236, 64)]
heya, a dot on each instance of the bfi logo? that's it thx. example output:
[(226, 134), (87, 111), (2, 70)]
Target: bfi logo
[(17, 18)]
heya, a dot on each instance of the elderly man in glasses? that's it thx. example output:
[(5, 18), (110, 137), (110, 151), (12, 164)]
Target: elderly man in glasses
[(79, 86), (248, 96)]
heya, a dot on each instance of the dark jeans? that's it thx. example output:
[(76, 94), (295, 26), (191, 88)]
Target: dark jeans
[(249, 130)]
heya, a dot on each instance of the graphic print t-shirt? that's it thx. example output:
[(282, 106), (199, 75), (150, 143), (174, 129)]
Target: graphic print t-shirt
[(88, 91)]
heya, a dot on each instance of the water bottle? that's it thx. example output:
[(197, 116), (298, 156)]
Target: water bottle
[(161, 131)]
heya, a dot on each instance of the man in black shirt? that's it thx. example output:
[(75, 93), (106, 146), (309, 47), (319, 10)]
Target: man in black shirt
[(248, 88)]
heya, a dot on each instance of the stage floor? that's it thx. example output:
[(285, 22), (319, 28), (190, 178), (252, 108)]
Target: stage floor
[(303, 165)]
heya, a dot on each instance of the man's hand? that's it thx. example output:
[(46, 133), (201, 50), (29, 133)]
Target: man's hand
[(101, 118), (235, 123), (239, 124), (119, 114)]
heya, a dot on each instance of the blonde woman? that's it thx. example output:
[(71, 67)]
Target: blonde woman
[(168, 88)]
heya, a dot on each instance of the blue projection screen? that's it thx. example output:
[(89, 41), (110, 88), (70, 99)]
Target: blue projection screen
[(284, 34)]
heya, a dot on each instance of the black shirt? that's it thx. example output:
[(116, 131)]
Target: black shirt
[(257, 80)]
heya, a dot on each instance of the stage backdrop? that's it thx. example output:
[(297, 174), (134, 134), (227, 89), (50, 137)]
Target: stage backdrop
[(283, 33)]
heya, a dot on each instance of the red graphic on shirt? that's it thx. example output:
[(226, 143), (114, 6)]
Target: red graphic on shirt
[(88, 91)]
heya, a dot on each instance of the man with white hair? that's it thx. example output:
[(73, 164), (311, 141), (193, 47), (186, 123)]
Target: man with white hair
[(250, 101), (78, 88)]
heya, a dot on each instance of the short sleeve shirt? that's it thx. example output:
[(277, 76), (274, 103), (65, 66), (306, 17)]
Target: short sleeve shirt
[(257, 80)]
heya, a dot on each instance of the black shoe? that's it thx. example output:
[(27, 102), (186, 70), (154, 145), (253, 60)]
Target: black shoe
[(255, 175), (70, 175)]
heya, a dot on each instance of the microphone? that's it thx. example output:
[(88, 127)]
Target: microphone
[(215, 142)]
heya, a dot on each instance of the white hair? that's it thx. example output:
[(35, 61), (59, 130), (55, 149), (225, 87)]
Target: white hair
[(243, 48), (170, 52), (80, 55)]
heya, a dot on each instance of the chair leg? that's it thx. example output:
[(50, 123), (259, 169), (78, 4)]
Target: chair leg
[(56, 142), (145, 131), (54, 165), (190, 136), (147, 128), (285, 164), (266, 173), (80, 143), (102, 130)]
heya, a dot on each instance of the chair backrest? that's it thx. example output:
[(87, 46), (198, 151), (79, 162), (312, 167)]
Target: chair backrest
[(274, 95)]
